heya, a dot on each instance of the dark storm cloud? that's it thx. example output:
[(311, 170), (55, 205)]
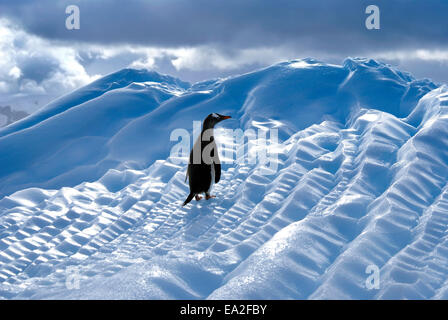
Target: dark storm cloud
[(37, 68), (335, 26)]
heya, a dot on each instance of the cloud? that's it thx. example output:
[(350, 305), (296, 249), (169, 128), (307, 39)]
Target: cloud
[(36, 68), (420, 54), (30, 65), (334, 26), (202, 39)]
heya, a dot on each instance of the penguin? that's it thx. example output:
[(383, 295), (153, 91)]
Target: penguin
[(204, 167)]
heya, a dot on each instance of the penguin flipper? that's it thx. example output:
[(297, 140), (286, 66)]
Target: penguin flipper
[(189, 198), (217, 172), (187, 173)]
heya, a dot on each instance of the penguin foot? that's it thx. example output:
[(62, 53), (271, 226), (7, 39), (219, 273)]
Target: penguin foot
[(207, 197), (197, 197)]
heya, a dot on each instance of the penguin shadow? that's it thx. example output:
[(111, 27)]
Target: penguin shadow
[(197, 209), (200, 218)]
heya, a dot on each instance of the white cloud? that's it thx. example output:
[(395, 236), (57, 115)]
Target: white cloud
[(206, 58), (420, 54), (15, 72), (30, 65), (33, 66)]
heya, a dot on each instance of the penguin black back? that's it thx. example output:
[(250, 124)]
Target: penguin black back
[(204, 167)]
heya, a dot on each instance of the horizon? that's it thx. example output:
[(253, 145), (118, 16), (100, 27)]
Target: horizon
[(273, 64), (19, 113)]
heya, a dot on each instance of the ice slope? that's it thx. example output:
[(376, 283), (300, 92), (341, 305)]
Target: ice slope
[(67, 141), (125, 120), (361, 181)]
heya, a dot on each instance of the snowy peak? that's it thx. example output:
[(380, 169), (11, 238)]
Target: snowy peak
[(432, 105), (114, 81), (383, 87), (145, 107), (126, 76)]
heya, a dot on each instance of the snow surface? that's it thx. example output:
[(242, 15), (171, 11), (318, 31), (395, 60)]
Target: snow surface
[(90, 193)]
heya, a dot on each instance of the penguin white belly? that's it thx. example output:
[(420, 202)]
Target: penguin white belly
[(213, 178)]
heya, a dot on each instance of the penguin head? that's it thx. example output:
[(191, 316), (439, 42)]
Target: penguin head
[(213, 118)]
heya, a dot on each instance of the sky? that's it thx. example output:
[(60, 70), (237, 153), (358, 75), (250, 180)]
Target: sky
[(40, 59)]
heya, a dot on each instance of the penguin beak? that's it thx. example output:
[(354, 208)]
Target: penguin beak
[(225, 117)]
